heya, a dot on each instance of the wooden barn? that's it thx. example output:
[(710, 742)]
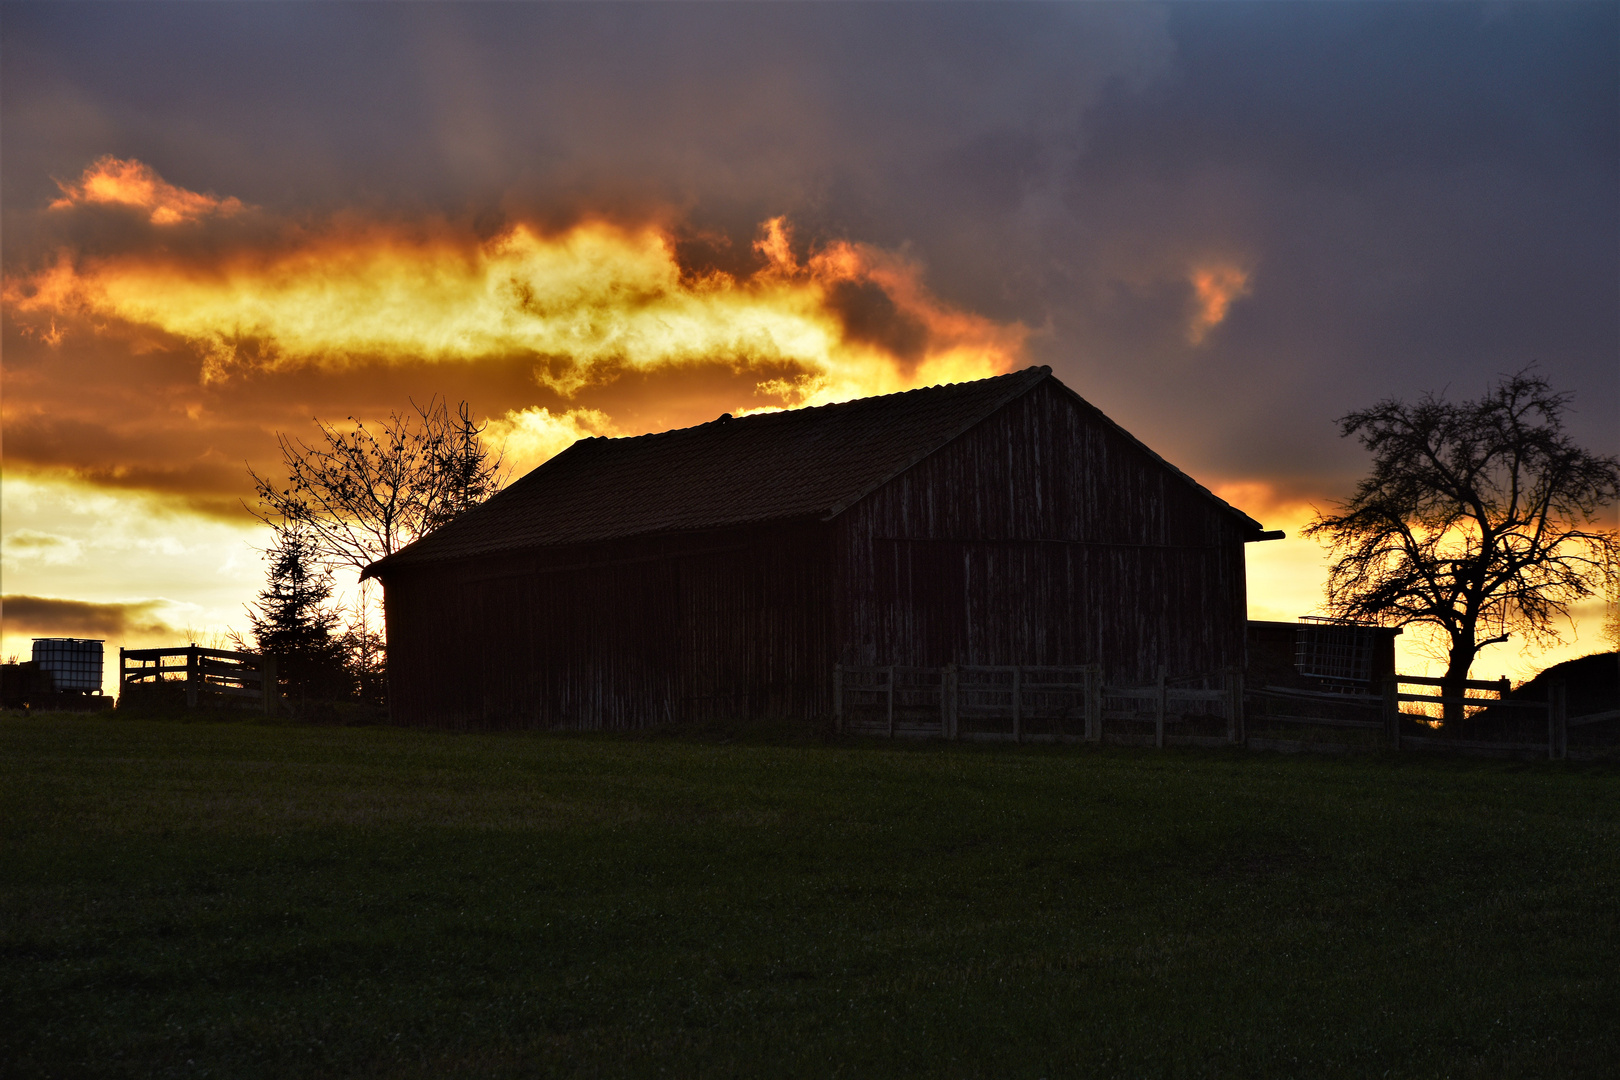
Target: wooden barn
[(722, 570)]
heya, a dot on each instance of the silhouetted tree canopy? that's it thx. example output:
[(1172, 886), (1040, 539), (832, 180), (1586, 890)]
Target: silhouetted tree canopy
[(1479, 518), (365, 492)]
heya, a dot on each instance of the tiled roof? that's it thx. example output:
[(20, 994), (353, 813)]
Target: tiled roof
[(731, 471)]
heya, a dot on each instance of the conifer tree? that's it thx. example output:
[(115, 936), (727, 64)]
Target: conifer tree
[(295, 621)]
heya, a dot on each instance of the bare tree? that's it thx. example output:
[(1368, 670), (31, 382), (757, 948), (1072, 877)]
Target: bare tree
[(1479, 518), (365, 492)]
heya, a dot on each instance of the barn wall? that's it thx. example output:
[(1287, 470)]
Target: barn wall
[(618, 635), (1043, 536)]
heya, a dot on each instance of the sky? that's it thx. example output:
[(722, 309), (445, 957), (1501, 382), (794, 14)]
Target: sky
[(1224, 224)]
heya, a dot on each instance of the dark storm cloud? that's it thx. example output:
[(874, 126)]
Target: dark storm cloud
[(1431, 195), (1421, 195), (47, 615)]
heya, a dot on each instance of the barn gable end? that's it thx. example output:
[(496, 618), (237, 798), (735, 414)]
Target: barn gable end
[(1044, 535)]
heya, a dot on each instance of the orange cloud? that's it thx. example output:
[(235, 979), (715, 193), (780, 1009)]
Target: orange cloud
[(592, 299), (530, 437), (132, 183), (1215, 287)]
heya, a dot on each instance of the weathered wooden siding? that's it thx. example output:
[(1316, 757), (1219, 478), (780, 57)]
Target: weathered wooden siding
[(619, 635), (1043, 536)]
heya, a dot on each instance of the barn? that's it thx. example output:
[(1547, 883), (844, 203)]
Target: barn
[(722, 571)]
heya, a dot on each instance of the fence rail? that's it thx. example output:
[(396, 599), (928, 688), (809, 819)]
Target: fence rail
[(1073, 704), (203, 674)]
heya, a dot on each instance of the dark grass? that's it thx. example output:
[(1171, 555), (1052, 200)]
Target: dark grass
[(248, 900)]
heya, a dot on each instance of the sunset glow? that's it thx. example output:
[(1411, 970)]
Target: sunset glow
[(848, 321), (130, 183), (162, 336)]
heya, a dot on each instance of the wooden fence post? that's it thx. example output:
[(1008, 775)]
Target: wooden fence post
[(1094, 703), (1018, 701), (838, 698), (954, 683), (944, 702), (891, 701), (192, 674), (1158, 711), (1558, 721), (267, 683), (1392, 710), (1234, 718)]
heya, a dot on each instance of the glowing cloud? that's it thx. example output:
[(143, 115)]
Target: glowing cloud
[(530, 437), (1215, 287), (31, 545), (846, 322), (131, 183)]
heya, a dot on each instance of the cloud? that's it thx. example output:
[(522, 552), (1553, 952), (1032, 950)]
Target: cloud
[(31, 545), (126, 182), (1215, 288), (531, 437), (597, 295), (51, 617)]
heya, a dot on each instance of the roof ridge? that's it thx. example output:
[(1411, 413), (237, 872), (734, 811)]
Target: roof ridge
[(802, 410)]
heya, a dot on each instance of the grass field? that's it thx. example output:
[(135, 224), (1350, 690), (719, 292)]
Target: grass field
[(240, 900)]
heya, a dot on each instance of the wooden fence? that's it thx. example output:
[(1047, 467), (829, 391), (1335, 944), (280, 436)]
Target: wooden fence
[(205, 676), (1034, 704), (1382, 713), (1073, 704)]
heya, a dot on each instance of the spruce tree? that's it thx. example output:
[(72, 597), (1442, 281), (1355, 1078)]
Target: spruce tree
[(295, 621)]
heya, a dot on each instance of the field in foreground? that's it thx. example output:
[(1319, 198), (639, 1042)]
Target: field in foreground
[(260, 901)]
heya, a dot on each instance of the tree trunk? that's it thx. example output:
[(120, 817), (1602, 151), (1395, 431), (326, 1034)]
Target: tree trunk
[(1455, 684)]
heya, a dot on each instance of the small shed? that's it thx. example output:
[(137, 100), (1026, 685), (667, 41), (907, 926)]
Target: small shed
[(1320, 654), (723, 570)]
